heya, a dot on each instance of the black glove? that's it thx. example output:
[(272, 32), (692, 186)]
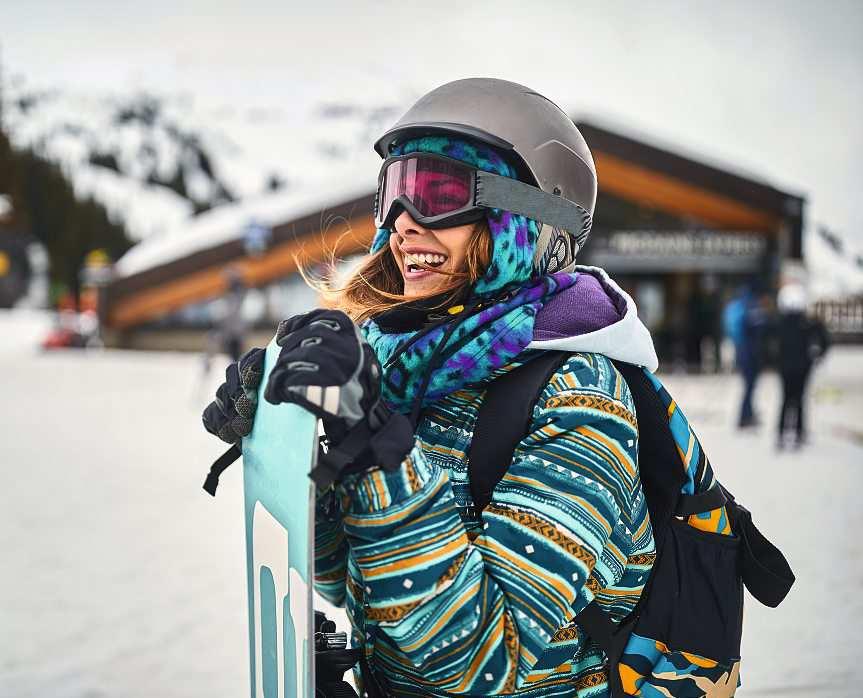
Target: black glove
[(231, 415), (328, 368)]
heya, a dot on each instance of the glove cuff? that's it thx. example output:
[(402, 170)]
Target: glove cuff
[(383, 438), (391, 443)]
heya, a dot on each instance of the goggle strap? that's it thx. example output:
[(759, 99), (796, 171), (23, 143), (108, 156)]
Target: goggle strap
[(494, 191)]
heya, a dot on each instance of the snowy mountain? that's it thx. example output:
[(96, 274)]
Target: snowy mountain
[(157, 162), (835, 268)]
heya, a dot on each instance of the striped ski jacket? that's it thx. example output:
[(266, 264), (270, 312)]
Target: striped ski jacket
[(444, 604)]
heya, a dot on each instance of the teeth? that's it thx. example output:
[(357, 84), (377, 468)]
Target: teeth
[(424, 258)]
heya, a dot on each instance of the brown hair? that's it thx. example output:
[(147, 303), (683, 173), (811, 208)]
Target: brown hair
[(378, 286)]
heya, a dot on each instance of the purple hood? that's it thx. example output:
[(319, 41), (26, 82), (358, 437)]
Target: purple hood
[(595, 315)]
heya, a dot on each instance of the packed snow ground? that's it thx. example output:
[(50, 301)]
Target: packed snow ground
[(121, 577)]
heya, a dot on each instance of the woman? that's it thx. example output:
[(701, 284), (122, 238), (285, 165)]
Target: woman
[(485, 196)]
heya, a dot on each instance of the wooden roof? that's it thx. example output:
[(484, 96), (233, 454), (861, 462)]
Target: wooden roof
[(198, 277)]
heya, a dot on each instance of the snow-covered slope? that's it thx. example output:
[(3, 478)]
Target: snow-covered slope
[(157, 161), (834, 268)]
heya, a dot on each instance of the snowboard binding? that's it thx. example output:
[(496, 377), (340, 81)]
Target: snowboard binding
[(332, 660)]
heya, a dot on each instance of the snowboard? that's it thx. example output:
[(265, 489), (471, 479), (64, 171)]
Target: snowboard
[(277, 457)]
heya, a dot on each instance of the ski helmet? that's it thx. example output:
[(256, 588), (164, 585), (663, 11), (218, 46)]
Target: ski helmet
[(547, 150)]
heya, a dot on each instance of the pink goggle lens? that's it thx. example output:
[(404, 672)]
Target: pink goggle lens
[(434, 187)]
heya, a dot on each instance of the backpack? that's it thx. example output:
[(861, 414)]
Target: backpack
[(682, 639)]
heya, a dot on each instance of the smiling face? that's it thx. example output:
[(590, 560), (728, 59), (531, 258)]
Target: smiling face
[(416, 248)]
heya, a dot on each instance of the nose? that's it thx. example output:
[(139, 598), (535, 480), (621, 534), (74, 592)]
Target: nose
[(405, 225)]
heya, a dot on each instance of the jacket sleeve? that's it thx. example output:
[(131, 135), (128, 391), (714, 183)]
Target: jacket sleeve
[(331, 549), (477, 617)]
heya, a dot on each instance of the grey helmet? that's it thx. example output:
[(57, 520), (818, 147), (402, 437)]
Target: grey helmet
[(543, 142)]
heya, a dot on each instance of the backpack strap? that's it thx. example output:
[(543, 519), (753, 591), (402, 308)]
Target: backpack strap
[(503, 420), (219, 466), (663, 480), (707, 500), (764, 569)]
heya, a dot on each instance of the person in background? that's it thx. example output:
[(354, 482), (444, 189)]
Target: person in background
[(712, 321), (801, 341), (232, 326), (703, 324), (744, 322), (227, 331)]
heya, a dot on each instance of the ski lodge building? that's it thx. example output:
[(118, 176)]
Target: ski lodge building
[(680, 235)]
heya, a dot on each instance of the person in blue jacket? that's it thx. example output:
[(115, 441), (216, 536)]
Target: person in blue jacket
[(745, 321)]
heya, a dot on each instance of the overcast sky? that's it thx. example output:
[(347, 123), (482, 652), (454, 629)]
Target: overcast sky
[(774, 88)]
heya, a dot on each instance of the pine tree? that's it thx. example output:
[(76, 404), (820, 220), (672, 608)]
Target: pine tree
[(46, 208), (69, 228)]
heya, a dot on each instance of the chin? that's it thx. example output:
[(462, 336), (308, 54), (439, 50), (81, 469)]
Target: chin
[(416, 290)]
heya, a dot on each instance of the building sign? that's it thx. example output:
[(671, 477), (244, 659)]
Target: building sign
[(678, 250)]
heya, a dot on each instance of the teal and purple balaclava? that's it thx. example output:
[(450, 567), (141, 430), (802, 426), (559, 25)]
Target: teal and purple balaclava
[(496, 324)]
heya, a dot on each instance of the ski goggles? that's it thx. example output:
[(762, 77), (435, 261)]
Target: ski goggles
[(440, 192)]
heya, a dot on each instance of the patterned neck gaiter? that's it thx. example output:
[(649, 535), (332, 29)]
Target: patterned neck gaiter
[(495, 324)]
